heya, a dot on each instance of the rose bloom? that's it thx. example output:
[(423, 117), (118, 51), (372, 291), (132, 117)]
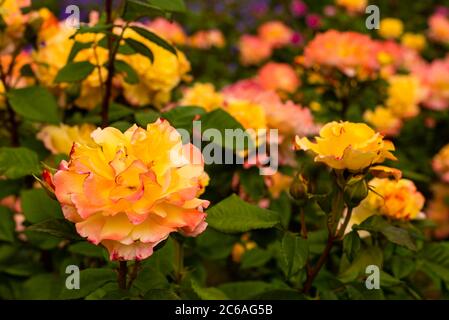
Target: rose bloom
[(253, 50), (352, 53), (14, 20), (440, 163), (347, 145), (390, 28), (404, 95), (438, 210), (278, 76), (156, 79), (206, 39), (169, 30), (54, 47), (249, 114), (395, 199), (439, 28), (414, 41), (202, 95), (290, 119), (132, 189), (59, 139), (352, 6), (275, 33), (435, 81), (383, 120)]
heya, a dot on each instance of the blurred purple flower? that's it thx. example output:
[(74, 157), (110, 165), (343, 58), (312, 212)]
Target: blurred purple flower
[(298, 8), (313, 21)]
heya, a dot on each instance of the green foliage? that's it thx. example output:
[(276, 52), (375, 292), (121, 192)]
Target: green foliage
[(234, 215), (35, 104), (18, 162), (393, 234), (75, 71)]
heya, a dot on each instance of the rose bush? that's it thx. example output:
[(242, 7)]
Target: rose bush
[(238, 150)]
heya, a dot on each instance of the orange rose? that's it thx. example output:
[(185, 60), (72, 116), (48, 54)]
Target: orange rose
[(130, 190)]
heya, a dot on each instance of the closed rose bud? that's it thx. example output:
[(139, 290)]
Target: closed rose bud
[(299, 188), (355, 190)]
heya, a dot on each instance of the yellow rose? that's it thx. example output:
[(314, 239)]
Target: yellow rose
[(394, 199), (404, 95), (156, 79), (249, 114), (202, 95), (383, 120), (390, 28), (414, 41), (347, 145), (60, 139)]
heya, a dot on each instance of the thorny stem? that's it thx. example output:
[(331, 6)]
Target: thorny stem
[(122, 273)]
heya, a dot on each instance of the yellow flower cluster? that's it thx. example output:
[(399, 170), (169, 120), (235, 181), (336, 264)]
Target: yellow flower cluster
[(404, 95)]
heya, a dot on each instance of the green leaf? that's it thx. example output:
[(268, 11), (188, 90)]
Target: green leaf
[(387, 280), (7, 225), (140, 48), (394, 234), (74, 71), (169, 6), (150, 278), (402, 266), (294, 253), (208, 293), (43, 286), (222, 121), (364, 258), (147, 34), (77, 47), (234, 215), (351, 244), (87, 249), (60, 228), (90, 280), (18, 162), (255, 258), (182, 117), (131, 75), (35, 104), (214, 245), (37, 206), (135, 9), (143, 118)]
